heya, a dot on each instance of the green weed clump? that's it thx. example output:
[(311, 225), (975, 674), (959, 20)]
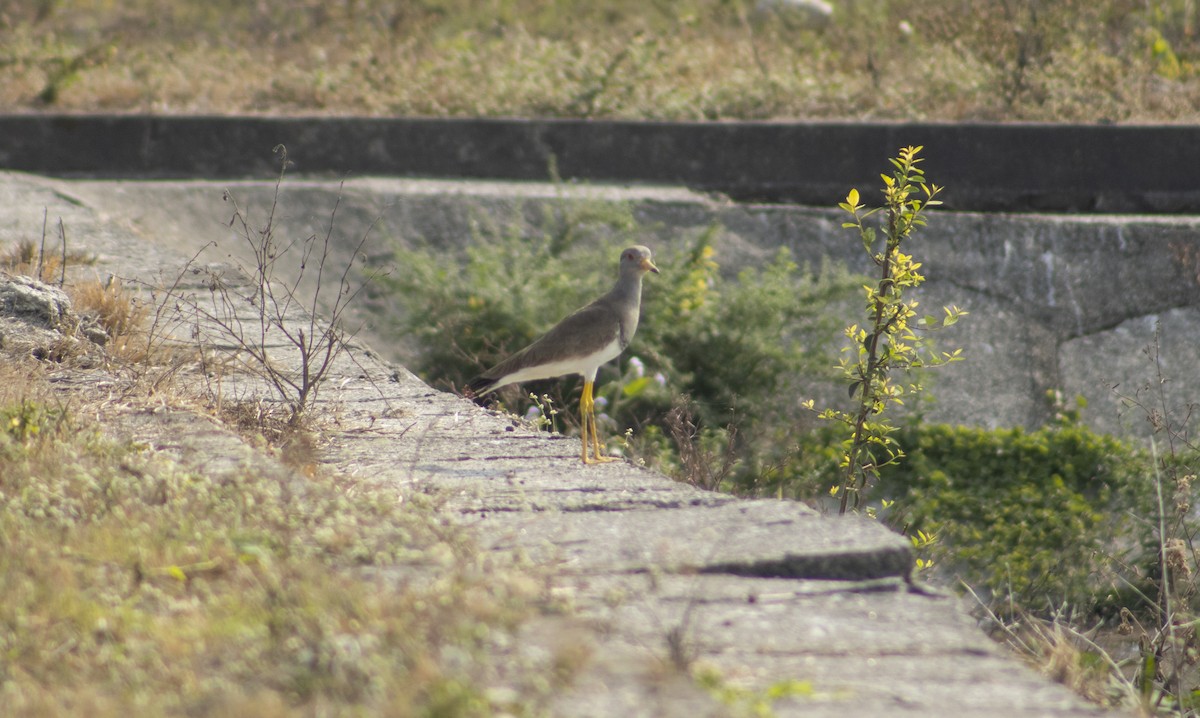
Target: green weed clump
[(1034, 516), (24, 423), (729, 352)]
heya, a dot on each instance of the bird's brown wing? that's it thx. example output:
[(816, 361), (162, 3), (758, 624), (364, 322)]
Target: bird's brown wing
[(585, 332)]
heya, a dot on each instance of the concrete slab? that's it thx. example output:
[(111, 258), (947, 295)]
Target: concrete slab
[(750, 538)]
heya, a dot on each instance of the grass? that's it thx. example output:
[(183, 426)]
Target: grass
[(119, 314), (1072, 61), (134, 583), (30, 258)]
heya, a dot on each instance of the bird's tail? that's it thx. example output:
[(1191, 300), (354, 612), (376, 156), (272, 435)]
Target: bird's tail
[(478, 388)]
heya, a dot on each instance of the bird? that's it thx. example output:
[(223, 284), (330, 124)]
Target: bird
[(579, 344)]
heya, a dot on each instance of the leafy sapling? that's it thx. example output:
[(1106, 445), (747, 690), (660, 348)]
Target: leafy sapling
[(886, 353)]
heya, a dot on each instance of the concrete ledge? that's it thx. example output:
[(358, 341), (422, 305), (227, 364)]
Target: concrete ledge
[(987, 167)]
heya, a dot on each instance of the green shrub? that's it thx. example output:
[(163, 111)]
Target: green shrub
[(1031, 514), (1035, 516), (737, 347)]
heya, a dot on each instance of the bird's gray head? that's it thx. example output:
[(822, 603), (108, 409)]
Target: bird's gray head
[(636, 261)]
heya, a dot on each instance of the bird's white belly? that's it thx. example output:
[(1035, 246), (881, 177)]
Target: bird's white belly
[(585, 366)]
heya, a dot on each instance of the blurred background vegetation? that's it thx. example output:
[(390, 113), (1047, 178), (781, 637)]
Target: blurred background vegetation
[(981, 60)]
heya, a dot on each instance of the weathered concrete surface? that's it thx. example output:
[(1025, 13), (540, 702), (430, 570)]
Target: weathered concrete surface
[(727, 538), (646, 573), (750, 628), (1058, 303)]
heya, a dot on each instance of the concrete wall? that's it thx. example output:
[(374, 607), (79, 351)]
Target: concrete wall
[(1064, 303), (999, 166)]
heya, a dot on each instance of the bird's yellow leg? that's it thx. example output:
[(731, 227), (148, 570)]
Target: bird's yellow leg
[(585, 409), (588, 428), (597, 447)]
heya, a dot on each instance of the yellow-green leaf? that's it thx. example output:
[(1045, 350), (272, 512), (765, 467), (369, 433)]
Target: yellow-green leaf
[(637, 386)]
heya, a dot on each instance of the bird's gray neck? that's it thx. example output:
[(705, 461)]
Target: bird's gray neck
[(627, 298)]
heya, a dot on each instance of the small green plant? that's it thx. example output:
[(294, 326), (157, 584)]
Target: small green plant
[(1169, 34), (889, 344), (542, 412), (63, 71), (748, 702), (922, 544), (28, 421)]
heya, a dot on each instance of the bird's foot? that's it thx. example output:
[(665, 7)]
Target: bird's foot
[(598, 455), (599, 459)]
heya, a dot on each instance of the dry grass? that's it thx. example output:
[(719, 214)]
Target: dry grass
[(704, 466), (119, 313), (1080, 666), (130, 584), (116, 310), (1115, 60), (33, 259)]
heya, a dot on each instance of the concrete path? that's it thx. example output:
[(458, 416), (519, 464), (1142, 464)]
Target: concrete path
[(645, 573)]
